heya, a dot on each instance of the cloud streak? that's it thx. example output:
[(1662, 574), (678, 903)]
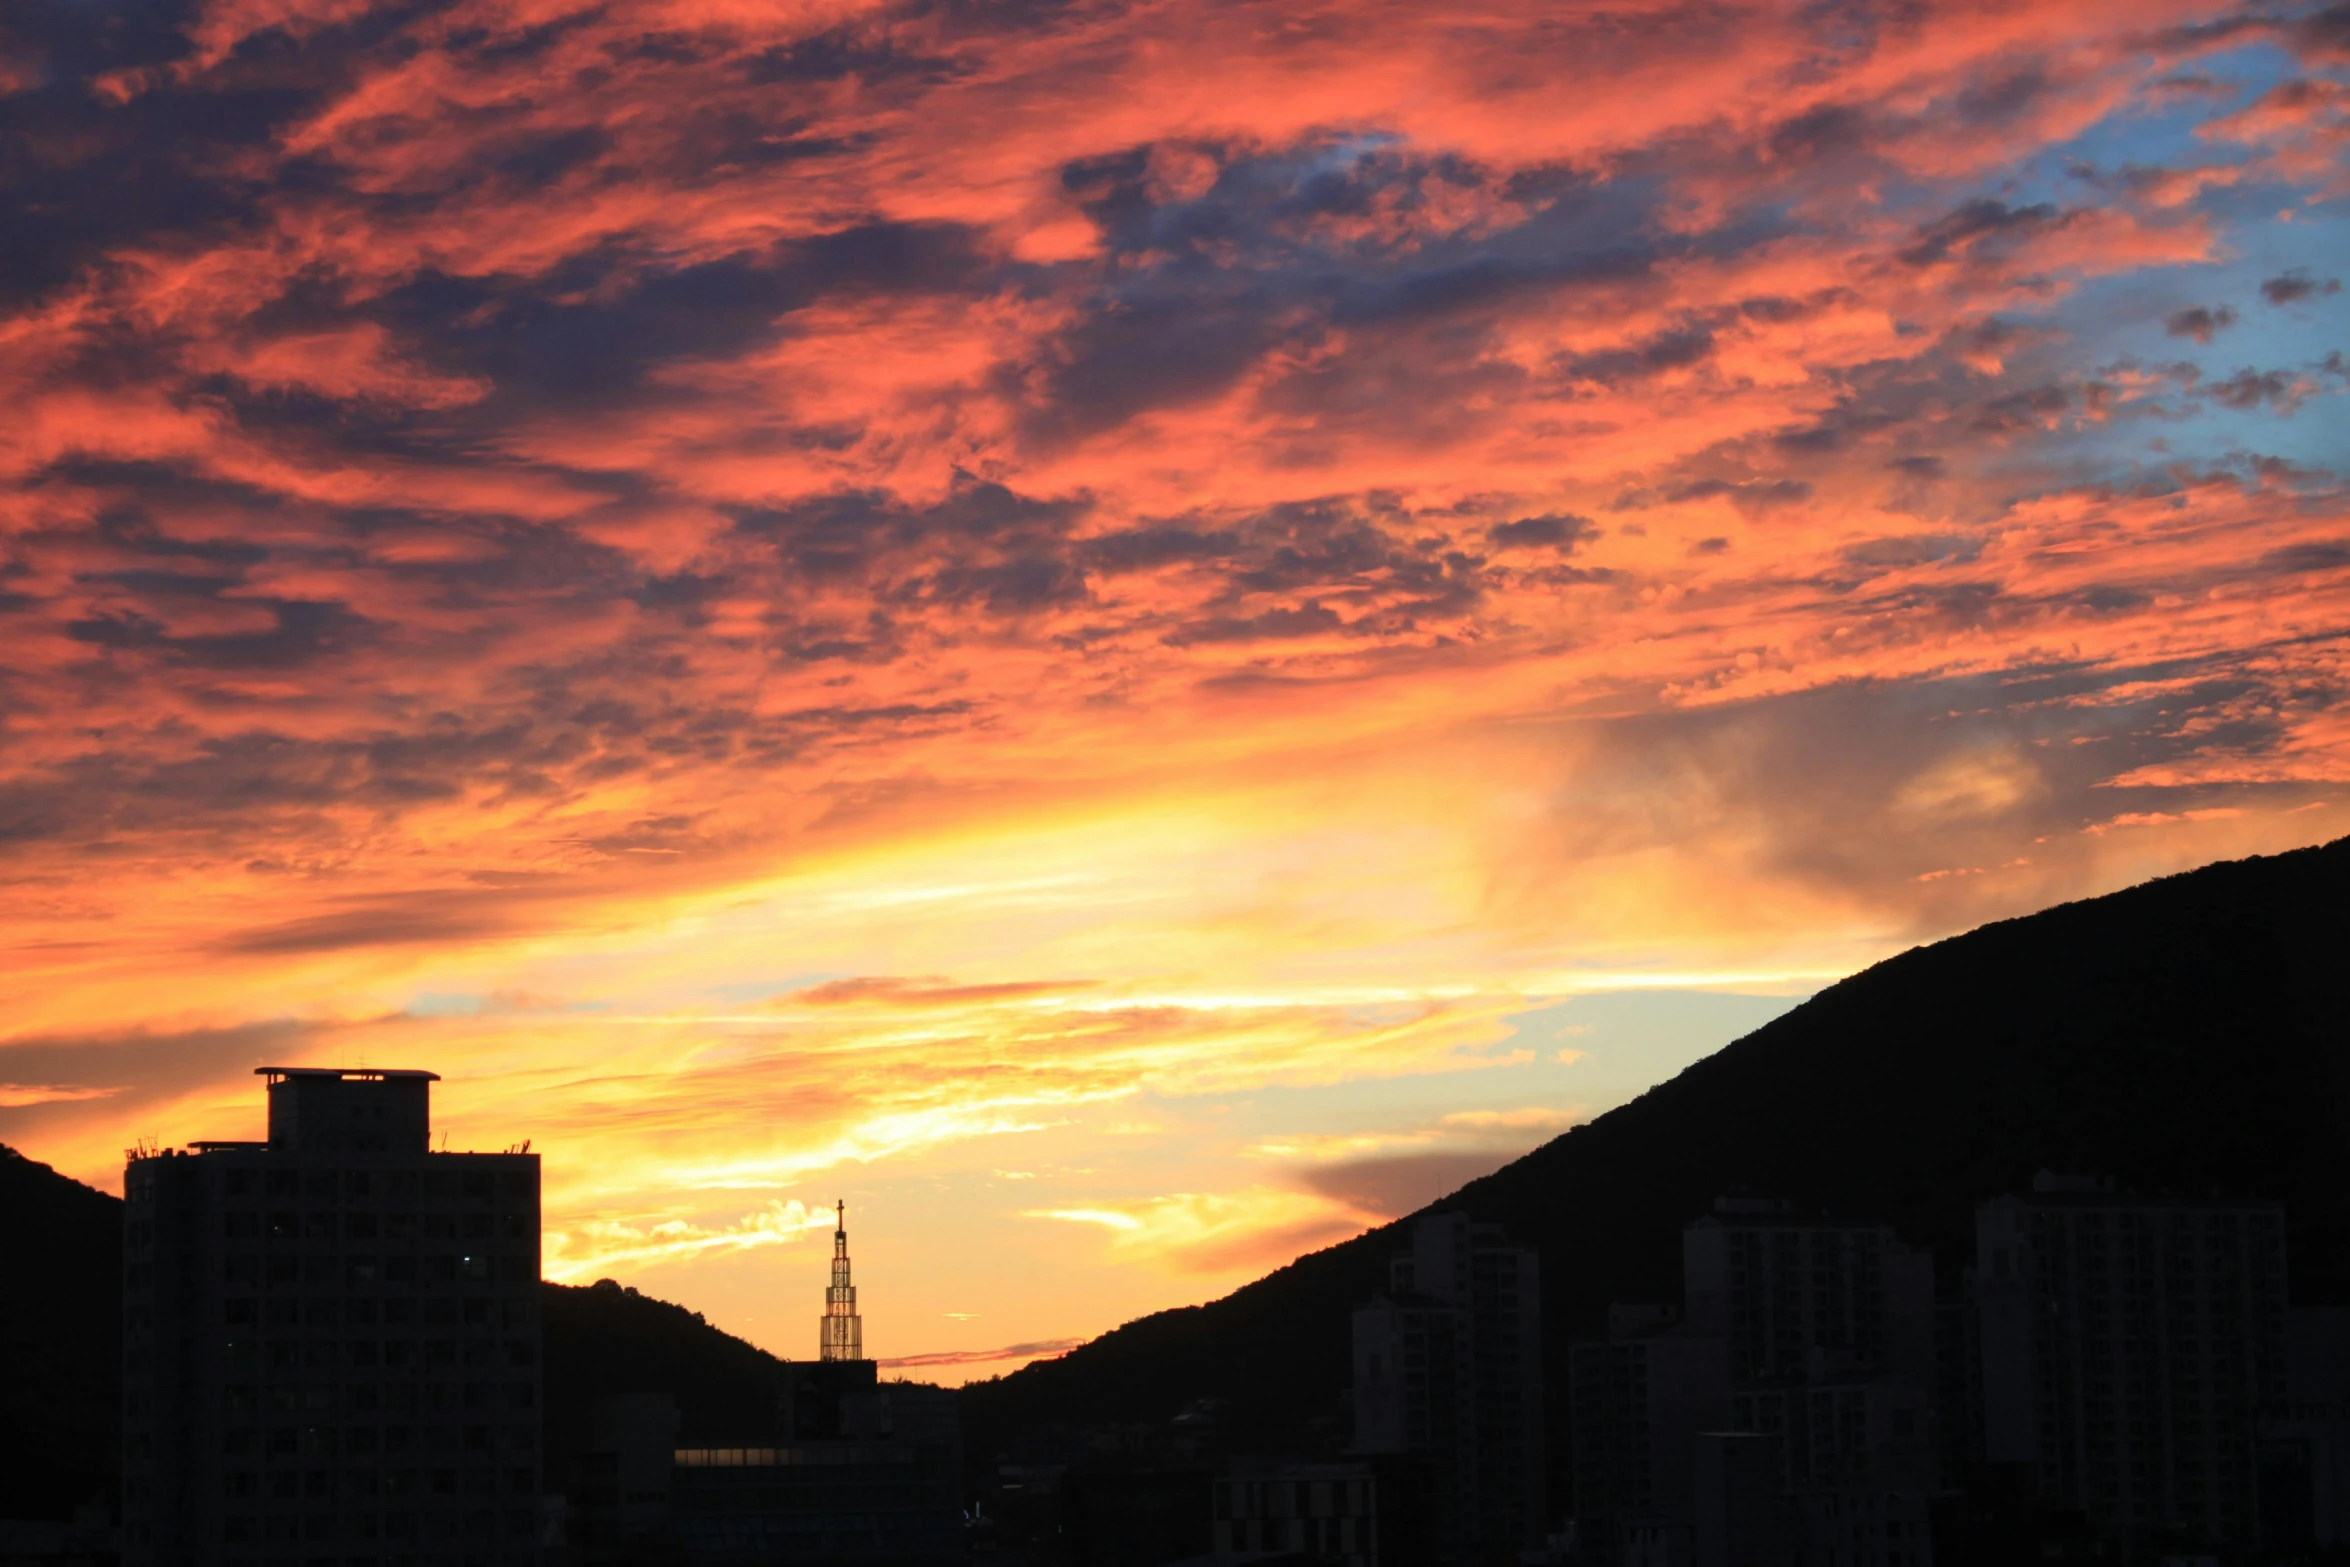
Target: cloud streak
[(935, 581)]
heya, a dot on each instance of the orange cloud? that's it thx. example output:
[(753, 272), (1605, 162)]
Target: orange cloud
[(950, 591)]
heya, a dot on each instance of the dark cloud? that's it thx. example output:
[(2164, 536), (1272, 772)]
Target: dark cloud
[(1155, 546), (1037, 1349), (1992, 337), (2292, 287), (1311, 618), (2280, 390), (2199, 322), (1973, 229), (2030, 409), (1549, 530), (124, 1072), (304, 633), (1154, 350), (1002, 548), (1020, 586), (1997, 100), (595, 326), (439, 917), (1403, 1183), (101, 174), (1920, 549), (2326, 555), (1754, 497), (2323, 35), (1283, 244), (1674, 350), (1825, 131), (1849, 422), (1305, 544), (1866, 786), (871, 53), (1488, 282)]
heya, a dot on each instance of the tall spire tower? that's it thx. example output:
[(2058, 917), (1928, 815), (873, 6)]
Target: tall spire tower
[(843, 1329)]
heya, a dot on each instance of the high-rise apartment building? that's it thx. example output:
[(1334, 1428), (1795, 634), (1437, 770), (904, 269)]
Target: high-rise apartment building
[(1640, 1399), (1448, 1366), (1829, 1326), (1804, 1345), (2127, 1346), (331, 1340), (2305, 1441)]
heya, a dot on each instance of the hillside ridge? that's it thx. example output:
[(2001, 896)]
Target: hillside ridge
[(2182, 1035), (2178, 1035)]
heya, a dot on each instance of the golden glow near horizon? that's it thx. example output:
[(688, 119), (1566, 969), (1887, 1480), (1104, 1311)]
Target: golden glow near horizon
[(1136, 638)]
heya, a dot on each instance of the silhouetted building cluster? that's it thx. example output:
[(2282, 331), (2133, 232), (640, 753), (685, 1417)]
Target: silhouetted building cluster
[(1324, 1512), (1786, 1402), (1436, 1459), (2117, 1378), (1448, 1370), (853, 1470), (332, 1356), (331, 1340)]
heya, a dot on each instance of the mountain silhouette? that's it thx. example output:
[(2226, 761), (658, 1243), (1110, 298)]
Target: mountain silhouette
[(2184, 1036), (60, 1342)]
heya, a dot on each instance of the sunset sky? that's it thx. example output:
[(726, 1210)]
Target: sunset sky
[(1135, 635)]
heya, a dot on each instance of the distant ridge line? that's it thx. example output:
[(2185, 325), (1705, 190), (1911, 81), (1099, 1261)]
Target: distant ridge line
[(2179, 1035)]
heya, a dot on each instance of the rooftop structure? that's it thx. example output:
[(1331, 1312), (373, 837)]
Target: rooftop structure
[(339, 1109)]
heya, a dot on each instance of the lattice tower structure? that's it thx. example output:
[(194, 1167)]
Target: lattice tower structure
[(842, 1329)]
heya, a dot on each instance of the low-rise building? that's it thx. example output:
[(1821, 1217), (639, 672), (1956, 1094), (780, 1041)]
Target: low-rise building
[(1327, 1512)]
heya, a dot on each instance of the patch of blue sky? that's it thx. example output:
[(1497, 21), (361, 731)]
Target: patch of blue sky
[(2114, 324), (2159, 130), (446, 1003), (475, 1003), (2123, 320), (733, 992), (1588, 1055)]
